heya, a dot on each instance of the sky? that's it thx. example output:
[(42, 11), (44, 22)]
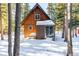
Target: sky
[(43, 5)]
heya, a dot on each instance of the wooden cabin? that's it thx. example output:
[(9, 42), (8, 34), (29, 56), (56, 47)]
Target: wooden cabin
[(37, 23)]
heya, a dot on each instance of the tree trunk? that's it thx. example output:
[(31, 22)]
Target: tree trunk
[(69, 41), (9, 31), (64, 34), (1, 24), (75, 26), (17, 31), (66, 27), (75, 31), (63, 28)]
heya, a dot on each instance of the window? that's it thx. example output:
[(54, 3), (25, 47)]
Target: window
[(37, 16), (49, 30), (30, 27)]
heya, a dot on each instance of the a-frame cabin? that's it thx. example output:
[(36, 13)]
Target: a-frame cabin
[(37, 23)]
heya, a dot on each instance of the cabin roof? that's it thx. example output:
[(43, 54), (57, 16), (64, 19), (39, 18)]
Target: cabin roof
[(37, 5), (45, 22)]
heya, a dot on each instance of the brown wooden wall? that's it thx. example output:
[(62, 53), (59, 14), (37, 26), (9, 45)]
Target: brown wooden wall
[(40, 32), (30, 20)]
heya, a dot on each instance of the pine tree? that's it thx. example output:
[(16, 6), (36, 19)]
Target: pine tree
[(51, 10), (60, 9), (13, 9), (17, 30), (0, 17), (51, 13), (1, 23), (9, 31), (69, 41), (64, 10), (65, 25), (75, 17), (24, 10), (57, 12), (4, 15)]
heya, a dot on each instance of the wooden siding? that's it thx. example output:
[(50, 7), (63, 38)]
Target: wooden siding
[(30, 20), (40, 34)]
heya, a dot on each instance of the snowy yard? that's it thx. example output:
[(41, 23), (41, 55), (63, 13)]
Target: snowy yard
[(32, 47)]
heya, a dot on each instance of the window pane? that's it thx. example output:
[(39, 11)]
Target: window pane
[(37, 16), (30, 27), (51, 29), (47, 30)]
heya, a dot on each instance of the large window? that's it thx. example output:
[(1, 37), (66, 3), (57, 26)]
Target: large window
[(37, 16), (49, 30)]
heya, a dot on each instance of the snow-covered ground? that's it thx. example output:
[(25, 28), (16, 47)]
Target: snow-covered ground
[(46, 47)]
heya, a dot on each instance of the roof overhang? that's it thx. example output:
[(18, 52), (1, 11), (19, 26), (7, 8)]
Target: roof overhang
[(46, 22)]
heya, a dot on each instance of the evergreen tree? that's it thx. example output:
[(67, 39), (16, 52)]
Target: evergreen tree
[(13, 9), (51, 10), (9, 31), (51, 13), (0, 17), (65, 25), (75, 17), (17, 30), (60, 16), (69, 40), (24, 10), (57, 12), (1, 23), (4, 18)]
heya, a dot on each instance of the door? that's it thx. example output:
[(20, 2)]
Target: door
[(49, 31)]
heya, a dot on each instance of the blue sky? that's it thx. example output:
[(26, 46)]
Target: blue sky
[(43, 5)]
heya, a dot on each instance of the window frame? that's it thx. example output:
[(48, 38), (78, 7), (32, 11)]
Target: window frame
[(49, 28), (30, 27), (37, 16)]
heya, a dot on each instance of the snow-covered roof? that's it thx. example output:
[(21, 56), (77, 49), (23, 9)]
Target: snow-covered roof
[(46, 22)]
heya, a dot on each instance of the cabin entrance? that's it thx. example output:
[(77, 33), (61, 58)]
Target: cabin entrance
[(49, 31)]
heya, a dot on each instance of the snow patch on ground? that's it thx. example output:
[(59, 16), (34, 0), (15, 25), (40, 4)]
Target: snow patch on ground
[(46, 47)]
